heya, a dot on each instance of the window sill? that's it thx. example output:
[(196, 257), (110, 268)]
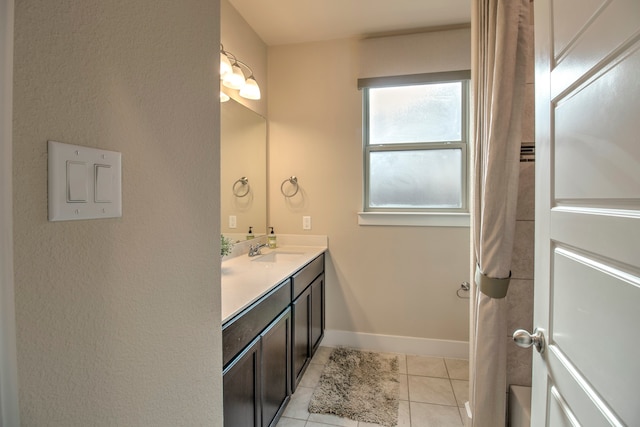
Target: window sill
[(415, 219)]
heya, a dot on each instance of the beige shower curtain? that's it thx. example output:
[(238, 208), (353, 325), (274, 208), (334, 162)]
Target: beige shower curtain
[(500, 38)]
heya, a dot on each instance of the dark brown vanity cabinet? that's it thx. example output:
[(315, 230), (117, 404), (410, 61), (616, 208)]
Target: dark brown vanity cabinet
[(276, 368), (308, 315), (267, 347), (257, 382), (241, 384), (257, 361), (317, 313)]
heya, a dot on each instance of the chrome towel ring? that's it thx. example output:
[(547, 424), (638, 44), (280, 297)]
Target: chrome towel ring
[(294, 184), (464, 287), (239, 184)]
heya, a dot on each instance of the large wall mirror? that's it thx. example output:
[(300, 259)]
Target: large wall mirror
[(243, 170)]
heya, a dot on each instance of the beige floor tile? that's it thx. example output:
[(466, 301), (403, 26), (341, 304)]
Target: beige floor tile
[(461, 391), (314, 424), (402, 363), (404, 414), (298, 406), (463, 414), (322, 355), (433, 397), (311, 376), (404, 387), (458, 369), (426, 366), (332, 420), (431, 390), (423, 414), (290, 422)]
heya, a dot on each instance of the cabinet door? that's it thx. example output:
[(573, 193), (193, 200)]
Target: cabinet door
[(276, 368), (241, 388), (301, 336), (317, 312)]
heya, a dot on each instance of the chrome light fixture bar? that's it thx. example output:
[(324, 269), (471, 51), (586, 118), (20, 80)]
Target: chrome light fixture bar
[(233, 77)]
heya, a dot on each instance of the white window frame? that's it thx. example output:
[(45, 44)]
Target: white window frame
[(454, 217)]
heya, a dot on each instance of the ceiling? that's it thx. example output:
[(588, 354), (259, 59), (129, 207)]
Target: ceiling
[(280, 22)]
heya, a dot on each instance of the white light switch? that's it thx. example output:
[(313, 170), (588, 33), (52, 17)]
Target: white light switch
[(306, 223), (76, 182), (84, 182), (233, 223), (103, 183)]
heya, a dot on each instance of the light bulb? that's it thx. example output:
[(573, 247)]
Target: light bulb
[(250, 90), (225, 65), (234, 80)]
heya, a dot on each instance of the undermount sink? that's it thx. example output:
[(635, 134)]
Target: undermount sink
[(278, 257)]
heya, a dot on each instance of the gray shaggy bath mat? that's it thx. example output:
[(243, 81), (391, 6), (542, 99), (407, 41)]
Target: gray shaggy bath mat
[(359, 385)]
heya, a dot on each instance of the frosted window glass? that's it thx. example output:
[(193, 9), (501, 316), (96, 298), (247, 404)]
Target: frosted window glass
[(416, 179), (422, 113)]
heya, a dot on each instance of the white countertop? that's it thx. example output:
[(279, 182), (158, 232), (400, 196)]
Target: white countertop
[(245, 279)]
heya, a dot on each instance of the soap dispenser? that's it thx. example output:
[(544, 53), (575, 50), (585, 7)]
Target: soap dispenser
[(250, 234), (272, 239)]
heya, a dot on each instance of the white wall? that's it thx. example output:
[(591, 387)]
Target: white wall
[(399, 281), (118, 320)]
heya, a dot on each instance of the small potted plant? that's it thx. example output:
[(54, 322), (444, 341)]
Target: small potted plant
[(226, 245)]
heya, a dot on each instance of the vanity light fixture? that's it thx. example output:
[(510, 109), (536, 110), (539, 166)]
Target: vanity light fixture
[(225, 63), (233, 77), (250, 90)]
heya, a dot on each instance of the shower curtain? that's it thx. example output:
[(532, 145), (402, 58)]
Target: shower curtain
[(500, 39)]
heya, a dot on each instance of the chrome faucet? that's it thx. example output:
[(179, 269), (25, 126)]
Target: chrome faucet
[(255, 249)]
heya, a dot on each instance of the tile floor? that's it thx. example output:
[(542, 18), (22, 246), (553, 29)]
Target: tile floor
[(432, 393)]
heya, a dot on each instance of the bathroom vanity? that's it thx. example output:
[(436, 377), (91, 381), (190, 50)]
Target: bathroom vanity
[(273, 315)]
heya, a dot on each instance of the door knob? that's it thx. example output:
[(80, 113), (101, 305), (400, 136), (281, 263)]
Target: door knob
[(524, 339)]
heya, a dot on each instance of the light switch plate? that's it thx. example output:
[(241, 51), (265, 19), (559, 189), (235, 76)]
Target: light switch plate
[(103, 172)]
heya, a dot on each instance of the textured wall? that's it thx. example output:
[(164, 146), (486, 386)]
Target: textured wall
[(9, 412), (381, 280), (118, 319)]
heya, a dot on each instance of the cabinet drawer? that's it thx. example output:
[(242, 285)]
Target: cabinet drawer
[(304, 277), (242, 329)]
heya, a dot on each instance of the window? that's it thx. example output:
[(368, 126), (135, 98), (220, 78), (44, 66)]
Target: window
[(415, 144)]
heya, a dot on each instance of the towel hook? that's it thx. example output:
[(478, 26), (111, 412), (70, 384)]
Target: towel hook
[(243, 182), (294, 183)]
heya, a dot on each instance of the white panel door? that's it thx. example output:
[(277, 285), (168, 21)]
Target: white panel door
[(587, 276)]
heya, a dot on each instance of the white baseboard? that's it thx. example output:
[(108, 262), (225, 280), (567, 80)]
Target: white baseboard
[(397, 344)]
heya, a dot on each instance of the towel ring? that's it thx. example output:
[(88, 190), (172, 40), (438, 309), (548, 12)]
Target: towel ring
[(294, 183), (244, 182), (464, 287)]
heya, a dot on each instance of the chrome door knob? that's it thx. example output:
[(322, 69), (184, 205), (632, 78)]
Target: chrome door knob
[(524, 339)]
